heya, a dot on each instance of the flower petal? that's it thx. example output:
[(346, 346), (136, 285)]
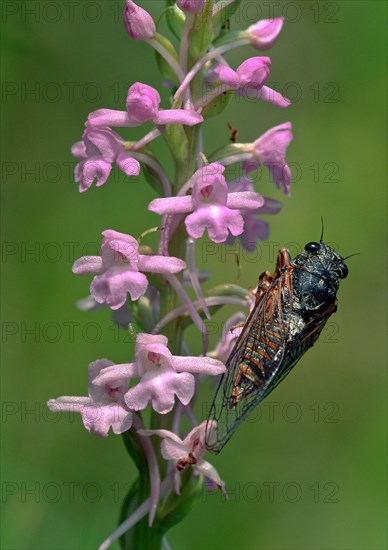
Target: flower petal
[(217, 220), (112, 287), (161, 433), (245, 200), (128, 165), (160, 264), (270, 95), (209, 471), (99, 417), (173, 450), (78, 150), (68, 403), (108, 117), (87, 264), (96, 393), (89, 170), (195, 365), (116, 374), (281, 175), (187, 117), (171, 205), (159, 389), (143, 339)]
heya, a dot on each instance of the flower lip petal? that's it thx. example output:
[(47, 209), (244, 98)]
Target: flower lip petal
[(112, 287)]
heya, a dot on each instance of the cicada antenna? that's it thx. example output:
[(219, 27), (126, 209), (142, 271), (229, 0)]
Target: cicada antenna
[(321, 239), (350, 255)]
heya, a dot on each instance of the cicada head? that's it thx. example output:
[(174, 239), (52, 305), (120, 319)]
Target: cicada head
[(324, 262)]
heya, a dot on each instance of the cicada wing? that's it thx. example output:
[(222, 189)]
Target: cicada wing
[(259, 353)]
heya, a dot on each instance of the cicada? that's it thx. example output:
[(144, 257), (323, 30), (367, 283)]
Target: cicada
[(292, 306)]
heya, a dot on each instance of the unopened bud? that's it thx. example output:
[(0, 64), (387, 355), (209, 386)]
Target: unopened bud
[(138, 22), (191, 6), (263, 34)]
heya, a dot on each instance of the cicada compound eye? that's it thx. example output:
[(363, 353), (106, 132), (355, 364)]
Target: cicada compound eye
[(343, 271), (312, 247)]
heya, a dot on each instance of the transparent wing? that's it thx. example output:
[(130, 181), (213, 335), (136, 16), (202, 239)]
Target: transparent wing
[(254, 363)]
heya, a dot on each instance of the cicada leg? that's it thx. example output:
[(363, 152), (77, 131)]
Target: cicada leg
[(267, 278), (265, 281), (283, 260)]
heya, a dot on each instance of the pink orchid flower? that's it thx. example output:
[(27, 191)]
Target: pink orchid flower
[(104, 408), (248, 80), (188, 452), (119, 269), (270, 150), (162, 375), (97, 151), (211, 206), (142, 106)]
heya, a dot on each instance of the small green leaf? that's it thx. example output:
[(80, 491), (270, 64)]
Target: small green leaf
[(175, 19), (221, 19), (164, 68), (217, 105), (177, 140), (201, 35), (150, 175), (142, 313), (231, 150), (177, 507)]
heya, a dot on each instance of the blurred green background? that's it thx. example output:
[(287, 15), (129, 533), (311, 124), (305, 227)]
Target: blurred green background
[(309, 472)]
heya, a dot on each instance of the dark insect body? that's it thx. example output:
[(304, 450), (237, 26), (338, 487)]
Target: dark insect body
[(292, 306)]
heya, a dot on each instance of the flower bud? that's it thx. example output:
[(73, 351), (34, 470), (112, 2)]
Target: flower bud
[(191, 6), (138, 22), (142, 103), (254, 72), (263, 34)]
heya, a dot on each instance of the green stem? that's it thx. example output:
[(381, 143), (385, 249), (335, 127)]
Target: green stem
[(141, 535)]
